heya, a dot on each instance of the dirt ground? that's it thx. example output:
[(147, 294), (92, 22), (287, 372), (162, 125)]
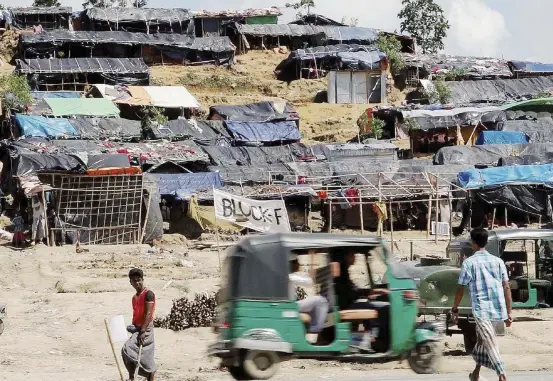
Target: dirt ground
[(57, 301)]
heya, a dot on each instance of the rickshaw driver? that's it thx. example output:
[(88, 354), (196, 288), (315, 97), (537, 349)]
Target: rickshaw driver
[(349, 295)]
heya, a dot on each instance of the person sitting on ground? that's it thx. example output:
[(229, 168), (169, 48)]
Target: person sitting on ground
[(315, 306)]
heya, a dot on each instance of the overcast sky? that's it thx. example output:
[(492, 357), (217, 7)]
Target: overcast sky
[(513, 29)]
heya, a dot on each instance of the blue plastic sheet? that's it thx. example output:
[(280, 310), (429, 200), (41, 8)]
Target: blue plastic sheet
[(501, 137), (55, 94), (521, 174), (183, 185), (39, 126), (264, 132), (534, 67)]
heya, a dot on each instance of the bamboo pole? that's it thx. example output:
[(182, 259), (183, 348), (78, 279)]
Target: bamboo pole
[(429, 216), (361, 218), (450, 215), (436, 218), (391, 218), (493, 217), (506, 222), (113, 350), (379, 201), (46, 233), (330, 216), (146, 218)]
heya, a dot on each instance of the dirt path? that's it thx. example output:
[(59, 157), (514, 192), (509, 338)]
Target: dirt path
[(57, 300)]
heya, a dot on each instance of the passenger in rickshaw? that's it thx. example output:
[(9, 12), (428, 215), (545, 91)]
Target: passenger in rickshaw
[(351, 297), (315, 306)]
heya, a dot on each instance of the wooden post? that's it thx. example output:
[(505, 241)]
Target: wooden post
[(46, 233), (113, 350), (411, 250), (146, 218), (330, 216), (361, 216), (390, 217), (450, 213), (493, 217), (379, 201), (429, 215)]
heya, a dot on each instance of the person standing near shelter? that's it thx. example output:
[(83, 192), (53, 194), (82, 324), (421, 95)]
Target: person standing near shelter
[(39, 221), (142, 330), (486, 277)]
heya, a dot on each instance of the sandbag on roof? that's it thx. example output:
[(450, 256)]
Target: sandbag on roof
[(264, 132), (184, 185), (39, 126)]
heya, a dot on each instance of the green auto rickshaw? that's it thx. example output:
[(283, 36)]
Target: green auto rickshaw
[(259, 324)]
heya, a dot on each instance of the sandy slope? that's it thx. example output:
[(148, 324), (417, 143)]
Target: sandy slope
[(57, 301)]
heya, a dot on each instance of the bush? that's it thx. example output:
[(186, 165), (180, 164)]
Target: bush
[(392, 48)]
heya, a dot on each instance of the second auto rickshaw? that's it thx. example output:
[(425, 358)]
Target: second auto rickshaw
[(259, 325)]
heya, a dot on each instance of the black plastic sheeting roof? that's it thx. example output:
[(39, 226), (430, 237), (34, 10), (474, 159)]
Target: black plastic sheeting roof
[(60, 37), (539, 131), (82, 65), (207, 132), (497, 91), (254, 112), (42, 11), (334, 33), (489, 155), (102, 128), (151, 15), (331, 57)]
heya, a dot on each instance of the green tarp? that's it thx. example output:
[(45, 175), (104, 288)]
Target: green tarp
[(537, 101), (265, 19), (82, 107)]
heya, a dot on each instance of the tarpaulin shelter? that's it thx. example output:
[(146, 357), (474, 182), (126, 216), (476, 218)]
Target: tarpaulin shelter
[(113, 129), (267, 132), (488, 155), (158, 96), (526, 68), (147, 20), (496, 91), (538, 131), (501, 137), (518, 174), (47, 17), (316, 62), (153, 48), (212, 23), (183, 185), (294, 36), (204, 132), (254, 112), (39, 126), (93, 107), (77, 73), (356, 151)]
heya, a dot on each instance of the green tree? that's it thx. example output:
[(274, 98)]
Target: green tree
[(425, 21), (15, 93), (46, 3), (300, 6), (391, 46)]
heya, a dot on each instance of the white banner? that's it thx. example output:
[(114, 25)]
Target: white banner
[(261, 215)]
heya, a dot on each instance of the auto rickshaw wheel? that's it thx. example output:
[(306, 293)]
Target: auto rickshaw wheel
[(261, 365), (238, 373), (425, 357)]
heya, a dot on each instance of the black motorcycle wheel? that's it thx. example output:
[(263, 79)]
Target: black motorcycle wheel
[(425, 357)]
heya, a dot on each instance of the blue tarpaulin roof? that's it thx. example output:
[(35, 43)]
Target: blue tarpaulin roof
[(501, 137), (183, 185), (533, 67), (532, 174), (39, 126), (264, 132), (55, 94)]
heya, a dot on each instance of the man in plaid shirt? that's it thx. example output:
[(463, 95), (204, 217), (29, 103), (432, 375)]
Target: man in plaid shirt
[(486, 277)]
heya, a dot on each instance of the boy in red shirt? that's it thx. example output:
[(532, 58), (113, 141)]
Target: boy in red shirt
[(142, 330)]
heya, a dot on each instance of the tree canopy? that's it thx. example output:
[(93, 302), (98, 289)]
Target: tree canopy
[(300, 6), (425, 21)]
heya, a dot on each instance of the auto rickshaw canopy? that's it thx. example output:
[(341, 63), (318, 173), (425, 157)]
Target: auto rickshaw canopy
[(257, 267)]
